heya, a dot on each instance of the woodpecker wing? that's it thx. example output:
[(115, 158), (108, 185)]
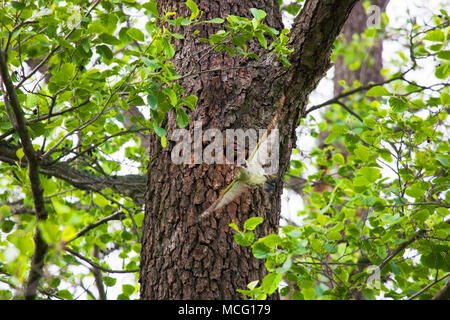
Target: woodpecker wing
[(263, 150), (255, 162)]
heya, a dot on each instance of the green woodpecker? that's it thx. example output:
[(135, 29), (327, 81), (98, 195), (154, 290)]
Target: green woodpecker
[(251, 174)]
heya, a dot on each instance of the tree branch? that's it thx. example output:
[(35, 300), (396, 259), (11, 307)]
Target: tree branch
[(337, 98), (96, 265), (114, 216), (41, 248), (400, 248), (445, 289), (132, 186), (444, 293), (45, 117)]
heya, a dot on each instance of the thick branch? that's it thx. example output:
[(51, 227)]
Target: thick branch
[(400, 248), (444, 293), (313, 35), (21, 127), (132, 186), (41, 248)]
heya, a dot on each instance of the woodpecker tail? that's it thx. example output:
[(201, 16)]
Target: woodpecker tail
[(234, 189)]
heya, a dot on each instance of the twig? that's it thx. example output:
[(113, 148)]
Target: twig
[(96, 265), (418, 293), (353, 91), (114, 216), (45, 117), (400, 248), (135, 228)]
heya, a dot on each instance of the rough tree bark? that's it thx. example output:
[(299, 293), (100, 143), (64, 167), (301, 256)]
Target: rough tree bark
[(184, 260)]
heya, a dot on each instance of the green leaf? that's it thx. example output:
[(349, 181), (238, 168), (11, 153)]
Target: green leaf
[(377, 91), (260, 250), (271, 240), (338, 158), (271, 281), (163, 142), (50, 231), (65, 294), (104, 51), (369, 122), (182, 118), (7, 226), (362, 152), (152, 7), (5, 211), (22, 241), (436, 35), (415, 191), (444, 54), (437, 258), (385, 154), (234, 227), (262, 39), (136, 34), (109, 281), (370, 174), (309, 293), (20, 153), (443, 71), (172, 96), (215, 20), (397, 104), (334, 235), (190, 102), (258, 14), (244, 239), (443, 160), (336, 132), (159, 131), (168, 48), (252, 223), (128, 289), (109, 39), (194, 9), (18, 5), (152, 101), (152, 64)]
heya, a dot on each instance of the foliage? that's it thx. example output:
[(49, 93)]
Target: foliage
[(380, 228), (92, 83)]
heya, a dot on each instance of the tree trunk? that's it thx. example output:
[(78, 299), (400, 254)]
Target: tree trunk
[(181, 259)]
